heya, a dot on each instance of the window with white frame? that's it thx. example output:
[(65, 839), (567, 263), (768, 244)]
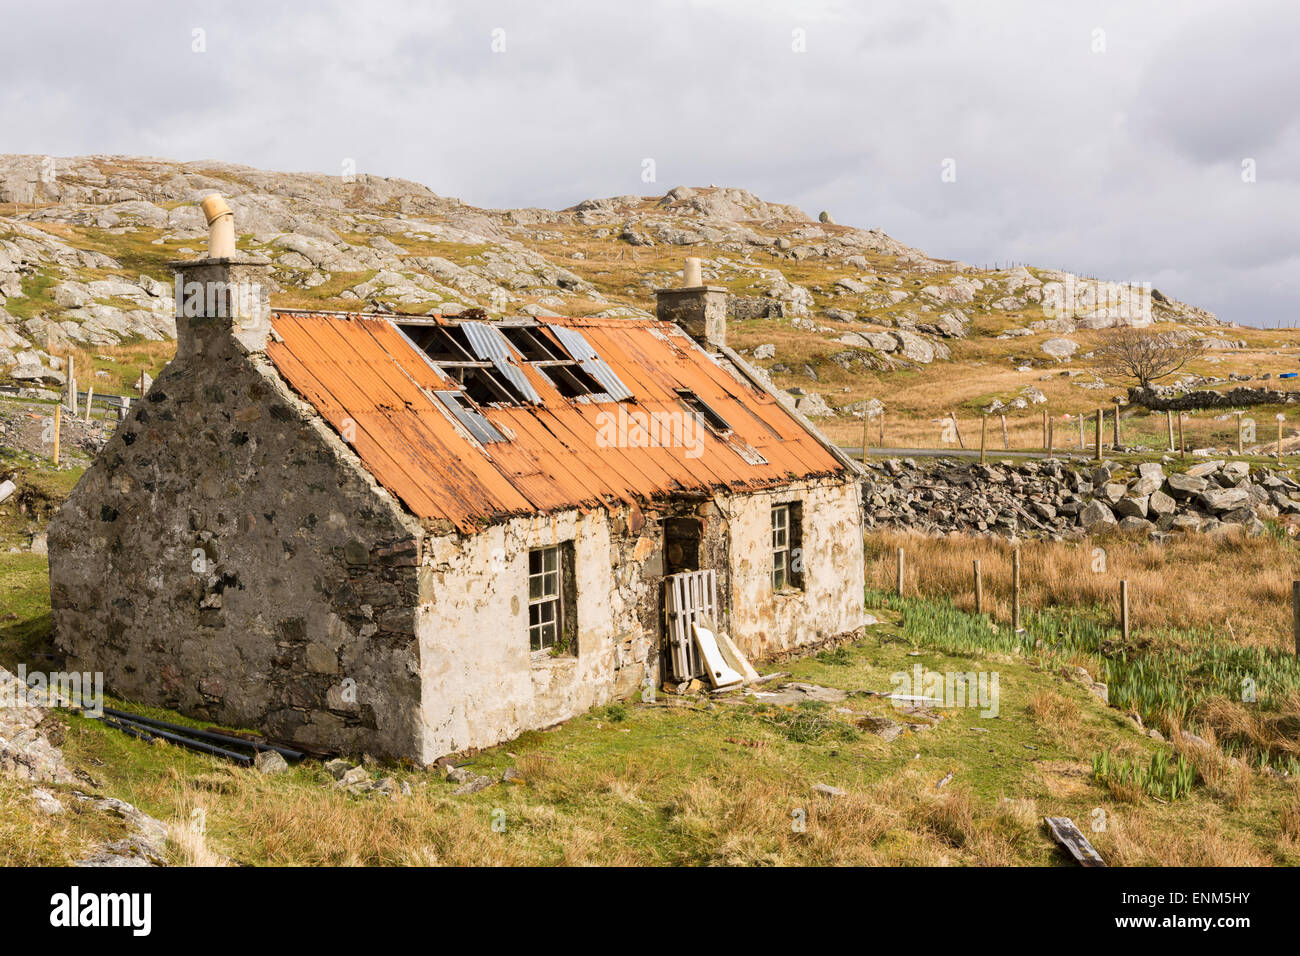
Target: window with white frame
[(787, 550), (553, 601), (545, 600)]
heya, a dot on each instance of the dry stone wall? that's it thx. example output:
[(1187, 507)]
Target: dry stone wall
[(1061, 499)]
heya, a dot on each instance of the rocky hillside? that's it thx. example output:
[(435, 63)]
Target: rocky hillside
[(84, 242)]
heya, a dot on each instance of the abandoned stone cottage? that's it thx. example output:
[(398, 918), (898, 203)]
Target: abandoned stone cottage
[(414, 535)]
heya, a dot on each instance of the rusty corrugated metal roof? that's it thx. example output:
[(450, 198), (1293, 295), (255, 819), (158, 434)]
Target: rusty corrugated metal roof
[(362, 374)]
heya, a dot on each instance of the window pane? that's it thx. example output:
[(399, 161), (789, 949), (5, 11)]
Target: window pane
[(779, 559), (780, 526), (544, 595)]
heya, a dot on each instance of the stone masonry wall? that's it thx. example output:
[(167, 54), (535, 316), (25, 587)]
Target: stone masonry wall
[(226, 556), (764, 623), (482, 683)]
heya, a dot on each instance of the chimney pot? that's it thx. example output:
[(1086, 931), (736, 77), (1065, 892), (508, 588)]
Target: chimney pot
[(693, 276), (224, 298), (221, 227)]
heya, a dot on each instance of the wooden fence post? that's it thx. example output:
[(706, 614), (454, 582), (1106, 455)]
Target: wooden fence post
[(1123, 609), (984, 428), (1295, 614), (72, 386), (1115, 444), (1169, 418), (1051, 437), (1239, 435), (1182, 447), (1083, 444), (1015, 590), (1099, 434), (58, 420), (957, 429), (880, 443), (979, 589), (1280, 418), (900, 572)]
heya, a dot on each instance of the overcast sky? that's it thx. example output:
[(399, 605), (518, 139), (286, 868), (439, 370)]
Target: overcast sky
[(1104, 138)]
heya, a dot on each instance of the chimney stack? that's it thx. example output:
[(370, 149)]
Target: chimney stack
[(699, 309), (224, 297)]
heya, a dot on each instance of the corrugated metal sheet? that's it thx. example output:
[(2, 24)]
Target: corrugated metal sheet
[(474, 423), (558, 453), (591, 362), (491, 346)]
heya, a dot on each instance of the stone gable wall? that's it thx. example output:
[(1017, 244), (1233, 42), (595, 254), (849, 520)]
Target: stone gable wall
[(227, 557)]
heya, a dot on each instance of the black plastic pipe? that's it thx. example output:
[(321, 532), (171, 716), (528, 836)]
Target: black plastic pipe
[(148, 733), (203, 734)]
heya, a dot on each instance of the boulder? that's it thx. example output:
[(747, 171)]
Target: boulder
[(1235, 472), (1161, 504), (1238, 516), (1096, 514), (1060, 348), (917, 348), (1145, 485), (1223, 499), (880, 341), (1112, 491), (269, 762), (1184, 486), (1132, 507)]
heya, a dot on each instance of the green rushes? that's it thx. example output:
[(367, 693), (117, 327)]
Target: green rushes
[(1166, 678), (1165, 777)]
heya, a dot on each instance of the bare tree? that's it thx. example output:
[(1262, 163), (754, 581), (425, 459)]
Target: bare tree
[(1146, 356)]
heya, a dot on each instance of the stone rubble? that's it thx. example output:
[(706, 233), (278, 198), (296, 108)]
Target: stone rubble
[(30, 752), (1061, 499)]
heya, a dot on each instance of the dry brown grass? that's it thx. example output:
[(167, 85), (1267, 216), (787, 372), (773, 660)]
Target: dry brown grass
[(1242, 586), (189, 845), (1056, 715), (1133, 838)]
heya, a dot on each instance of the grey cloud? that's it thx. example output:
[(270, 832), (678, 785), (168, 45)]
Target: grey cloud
[(1124, 164)]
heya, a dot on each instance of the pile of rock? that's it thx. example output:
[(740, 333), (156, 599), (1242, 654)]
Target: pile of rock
[(1056, 499), (358, 780)]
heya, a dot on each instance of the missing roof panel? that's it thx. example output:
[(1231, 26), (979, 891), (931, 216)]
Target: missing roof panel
[(703, 410), (477, 357), (577, 346)]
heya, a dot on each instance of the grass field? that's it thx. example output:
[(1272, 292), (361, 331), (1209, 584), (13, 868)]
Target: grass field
[(681, 781)]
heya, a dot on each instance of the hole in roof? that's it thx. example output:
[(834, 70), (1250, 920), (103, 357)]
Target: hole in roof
[(703, 410), (479, 357)]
